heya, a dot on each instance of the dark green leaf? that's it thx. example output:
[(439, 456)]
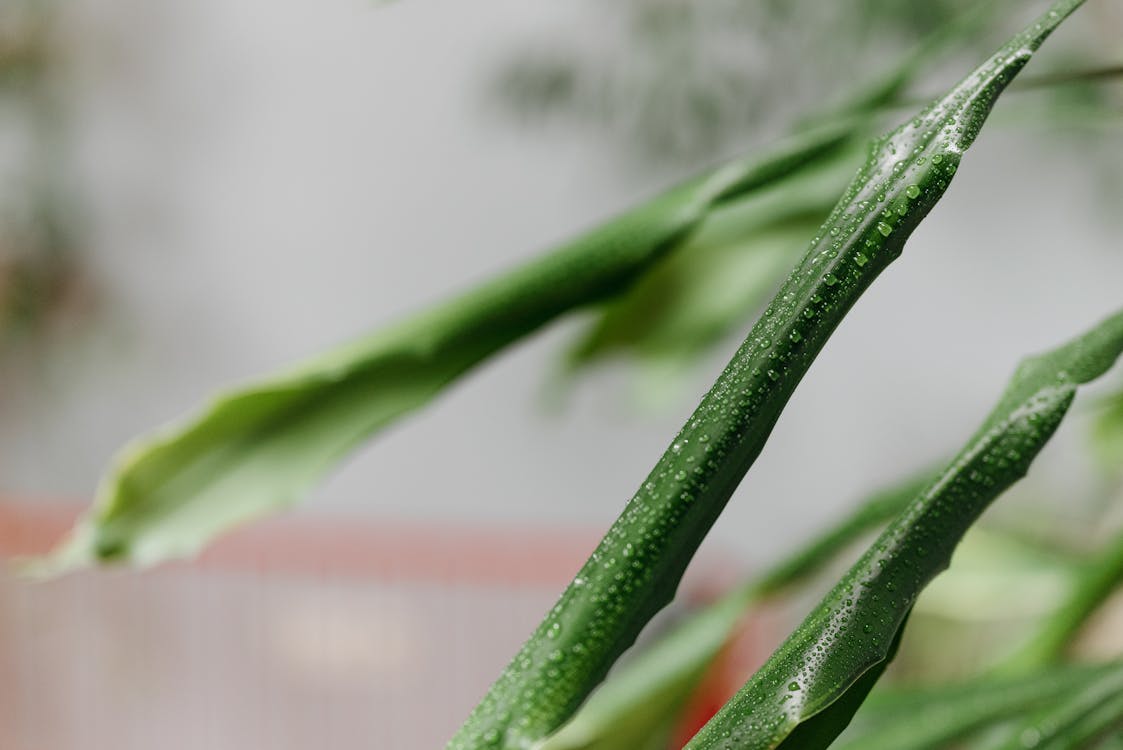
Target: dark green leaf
[(697, 295), (626, 710), (851, 630), (636, 568)]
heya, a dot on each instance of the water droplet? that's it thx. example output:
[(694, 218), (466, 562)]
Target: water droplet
[(884, 228), (795, 336), (793, 686), (912, 191)]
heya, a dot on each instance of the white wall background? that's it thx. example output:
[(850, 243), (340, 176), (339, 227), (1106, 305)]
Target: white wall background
[(268, 178)]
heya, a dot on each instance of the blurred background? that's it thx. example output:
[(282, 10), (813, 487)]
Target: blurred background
[(196, 193)]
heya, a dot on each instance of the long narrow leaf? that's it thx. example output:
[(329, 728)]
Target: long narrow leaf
[(848, 636), (260, 447), (636, 568), (692, 298), (626, 710)]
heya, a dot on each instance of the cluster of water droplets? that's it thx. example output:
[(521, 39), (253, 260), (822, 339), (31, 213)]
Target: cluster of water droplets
[(856, 624)]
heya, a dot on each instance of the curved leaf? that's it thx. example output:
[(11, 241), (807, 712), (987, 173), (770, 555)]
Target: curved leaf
[(849, 634), (258, 448), (636, 568)]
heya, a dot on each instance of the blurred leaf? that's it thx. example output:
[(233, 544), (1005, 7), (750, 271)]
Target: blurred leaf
[(792, 700), (259, 448), (669, 80), (632, 706), (1107, 435), (1095, 583), (1079, 720), (931, 718), (697, 296)]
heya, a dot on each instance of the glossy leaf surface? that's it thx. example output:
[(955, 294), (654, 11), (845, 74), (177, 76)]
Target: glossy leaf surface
[(629, 707), (850, 632), (636, 568)]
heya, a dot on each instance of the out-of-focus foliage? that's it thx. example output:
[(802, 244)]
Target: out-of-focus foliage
[(39, 273), (668, 80), (1107, 434), (681, 80)]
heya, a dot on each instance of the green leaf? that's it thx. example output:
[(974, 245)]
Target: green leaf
[(626, 710), (693, 298), (259, 448), (1079, 721), (849, 634), (931, 718), (1098, 579), (636, 568), (1107, 435)]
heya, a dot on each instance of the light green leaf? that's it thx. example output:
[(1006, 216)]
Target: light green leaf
[(1095, 582), (932, 718), (1078, 721), (1107, 435), (258, 448)]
